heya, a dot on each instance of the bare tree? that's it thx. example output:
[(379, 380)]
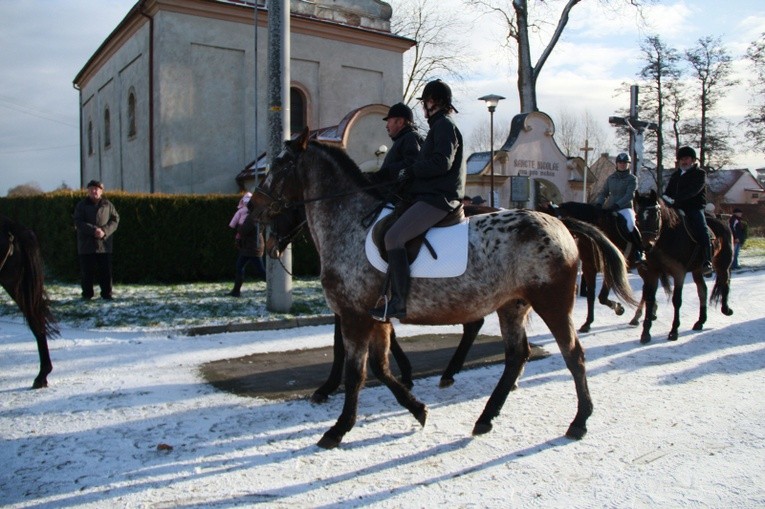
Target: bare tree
[(480, 137), (573, 130), (661, 70), (434, 56), (712, 69), (755, 118), (519, 23)]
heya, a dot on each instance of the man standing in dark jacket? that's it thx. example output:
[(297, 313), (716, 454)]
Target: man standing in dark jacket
[(95, 220), (406, 144), (687, 191), (435, 183)]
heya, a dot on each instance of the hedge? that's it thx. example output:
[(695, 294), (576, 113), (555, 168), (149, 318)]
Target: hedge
[(161, 238)]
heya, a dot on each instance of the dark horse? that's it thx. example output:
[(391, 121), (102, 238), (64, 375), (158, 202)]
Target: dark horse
[(21, 274), (671, 251), (608, 222), (518, 260), (293, 223)]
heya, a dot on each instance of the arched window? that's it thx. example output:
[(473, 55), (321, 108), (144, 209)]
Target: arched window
[(131, 112), (298, 111), (90, 137), (107, 129)]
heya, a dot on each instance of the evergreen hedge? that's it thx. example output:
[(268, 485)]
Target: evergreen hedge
[(161, 238)]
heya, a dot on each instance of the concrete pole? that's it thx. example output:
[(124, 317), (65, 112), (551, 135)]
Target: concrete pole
[(279, 280)]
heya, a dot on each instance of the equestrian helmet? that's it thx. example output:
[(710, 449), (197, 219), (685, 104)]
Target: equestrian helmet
[(686, 152), (400, 110), (623, 158), (439, 92)]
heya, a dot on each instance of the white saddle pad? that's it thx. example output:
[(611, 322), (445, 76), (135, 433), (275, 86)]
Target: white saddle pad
[(450, 244)]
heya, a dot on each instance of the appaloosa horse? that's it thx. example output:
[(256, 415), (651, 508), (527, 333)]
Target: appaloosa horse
[(671, 251), (518, 260), (607, 221), (21, 274)]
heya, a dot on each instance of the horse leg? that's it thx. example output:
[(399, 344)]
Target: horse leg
[(404, 366), (562, 328), (638, 313), (677, 302), (588, 275), (512, 321), (650, 284), (46, 366), (321, 394), (603, 299), (701, 290), (469, 333)]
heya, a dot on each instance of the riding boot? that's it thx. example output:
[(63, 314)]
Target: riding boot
[(706, 267), (398, 271), (637, 247), (236, 291)]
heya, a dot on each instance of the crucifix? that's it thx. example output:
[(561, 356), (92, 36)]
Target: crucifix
[(586, 149), (637, 128)]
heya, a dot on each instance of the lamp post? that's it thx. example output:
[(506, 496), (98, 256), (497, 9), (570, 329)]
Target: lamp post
[(491, 102)]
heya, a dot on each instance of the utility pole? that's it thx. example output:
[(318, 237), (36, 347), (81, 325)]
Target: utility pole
[(279, 285)]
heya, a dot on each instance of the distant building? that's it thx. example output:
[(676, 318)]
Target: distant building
[(167, 102), (528, 167)]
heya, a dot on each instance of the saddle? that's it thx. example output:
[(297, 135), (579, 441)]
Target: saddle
[(414, 245)]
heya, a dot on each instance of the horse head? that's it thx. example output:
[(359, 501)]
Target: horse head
[(648, 212), (278, 201)]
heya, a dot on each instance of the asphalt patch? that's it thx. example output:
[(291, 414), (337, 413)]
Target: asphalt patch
[(298, 373)]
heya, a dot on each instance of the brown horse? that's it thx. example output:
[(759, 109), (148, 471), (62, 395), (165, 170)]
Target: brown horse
[(608, 222), (518, 260), (21, 274), (671, 251)]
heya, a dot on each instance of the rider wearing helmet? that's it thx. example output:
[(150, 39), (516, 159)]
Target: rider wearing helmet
[(399, 122), (434, 185), (687, 191), (616, 196)]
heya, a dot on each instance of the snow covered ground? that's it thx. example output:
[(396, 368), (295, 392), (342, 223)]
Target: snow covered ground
[(675, 424)]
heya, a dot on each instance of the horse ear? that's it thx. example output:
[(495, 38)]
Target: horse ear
[(302, 141)]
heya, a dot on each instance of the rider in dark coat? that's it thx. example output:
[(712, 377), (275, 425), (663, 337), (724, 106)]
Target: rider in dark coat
[(435, 184), (406, 144), (687, 191)]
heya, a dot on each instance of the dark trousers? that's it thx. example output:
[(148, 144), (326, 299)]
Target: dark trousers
[(697, 223), (243, 261), (96, 265), (414, 221)]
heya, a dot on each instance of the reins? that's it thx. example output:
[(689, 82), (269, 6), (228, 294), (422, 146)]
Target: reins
[(9, 252)]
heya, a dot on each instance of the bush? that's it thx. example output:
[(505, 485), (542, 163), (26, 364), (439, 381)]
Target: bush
[(161, 238)]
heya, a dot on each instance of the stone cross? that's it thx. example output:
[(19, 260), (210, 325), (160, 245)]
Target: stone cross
[(636, 127), (586, 149)]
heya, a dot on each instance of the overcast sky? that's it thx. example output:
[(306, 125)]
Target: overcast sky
[(45, 43)]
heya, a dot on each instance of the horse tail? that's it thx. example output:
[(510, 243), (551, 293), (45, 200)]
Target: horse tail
[(608, 259), (30, 291), (722, 259)]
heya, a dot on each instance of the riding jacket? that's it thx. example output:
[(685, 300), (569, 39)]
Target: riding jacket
[(688, 189), (87, 217), (402, 154), (618, 190), (438, 176)]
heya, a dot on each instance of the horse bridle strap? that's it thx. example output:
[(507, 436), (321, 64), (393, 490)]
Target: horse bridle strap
[(9, 252)]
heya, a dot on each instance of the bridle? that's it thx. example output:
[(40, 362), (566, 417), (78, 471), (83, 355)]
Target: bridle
[(8, 252)]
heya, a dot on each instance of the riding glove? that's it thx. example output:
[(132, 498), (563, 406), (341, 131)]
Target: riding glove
[(667, 199)]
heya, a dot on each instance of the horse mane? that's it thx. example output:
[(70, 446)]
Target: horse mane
[(669, 216), (349, 167)]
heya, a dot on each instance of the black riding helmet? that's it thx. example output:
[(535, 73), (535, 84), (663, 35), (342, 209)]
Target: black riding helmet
[(440, 92), (623, 158)]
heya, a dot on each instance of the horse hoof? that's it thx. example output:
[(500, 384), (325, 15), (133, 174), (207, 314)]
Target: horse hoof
[(619, 310), (40, 384), (319, 397), (698, 326), (481, 428), (727, 311), (446, 382), (645, 338), (576, 432), (634, 323), (672, 336), (421, 415), (328, 441), (584, 328)]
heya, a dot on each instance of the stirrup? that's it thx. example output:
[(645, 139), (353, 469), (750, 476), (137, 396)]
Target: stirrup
[(375, 313)]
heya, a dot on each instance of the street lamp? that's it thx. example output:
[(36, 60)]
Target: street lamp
[(491, 102)]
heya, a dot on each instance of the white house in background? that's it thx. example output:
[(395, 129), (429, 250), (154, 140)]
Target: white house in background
[(167, 102), (528, 167)]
